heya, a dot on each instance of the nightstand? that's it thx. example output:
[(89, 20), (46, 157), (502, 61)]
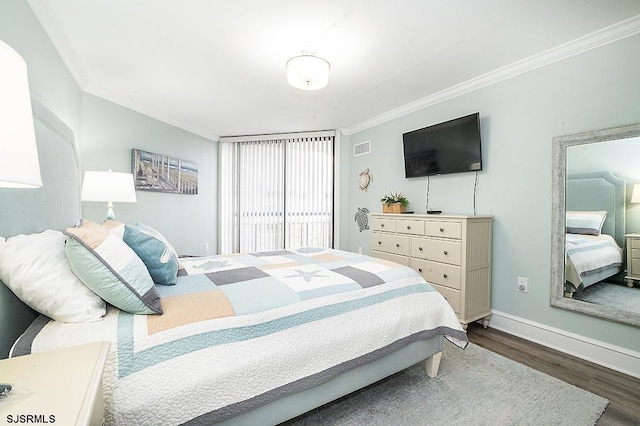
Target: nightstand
[(633, 258), (62, 386)]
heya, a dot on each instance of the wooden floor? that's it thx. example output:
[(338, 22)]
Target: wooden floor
[(622, 391)]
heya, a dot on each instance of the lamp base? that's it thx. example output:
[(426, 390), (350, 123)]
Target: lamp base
[(110, 214)]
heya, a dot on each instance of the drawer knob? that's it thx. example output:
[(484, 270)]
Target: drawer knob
[(382, 225), (441, 229), (397, 245), (445, 252), (408, 227), (379, 242), (420, 248), (420, 270), (444, 275)]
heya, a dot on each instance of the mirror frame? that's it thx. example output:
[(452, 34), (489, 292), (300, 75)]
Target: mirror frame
[(558, 206)]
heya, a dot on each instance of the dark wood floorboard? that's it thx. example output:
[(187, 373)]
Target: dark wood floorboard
[(622, 391)]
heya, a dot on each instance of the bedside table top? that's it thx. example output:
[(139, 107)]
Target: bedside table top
[(64, 385), (632, 235)]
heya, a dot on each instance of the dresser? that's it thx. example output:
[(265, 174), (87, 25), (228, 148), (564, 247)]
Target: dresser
[(451, 252)]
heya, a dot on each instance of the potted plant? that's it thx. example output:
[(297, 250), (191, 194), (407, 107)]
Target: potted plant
[(394, 203)]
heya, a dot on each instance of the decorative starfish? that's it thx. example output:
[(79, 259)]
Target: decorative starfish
[(212, 264), (307, 275)]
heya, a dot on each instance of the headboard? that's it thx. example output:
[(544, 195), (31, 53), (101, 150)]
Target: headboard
[(25, 211), (600, 190)]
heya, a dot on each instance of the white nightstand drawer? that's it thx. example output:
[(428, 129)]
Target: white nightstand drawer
[(635, 253), (635, 267), (438, 273), (65, 384), (452, 296), (391, 243), (437, 250), (413, 227), (384, 224), (444, 229), (635, 243)]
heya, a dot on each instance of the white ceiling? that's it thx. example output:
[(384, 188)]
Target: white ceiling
[(217, 68)]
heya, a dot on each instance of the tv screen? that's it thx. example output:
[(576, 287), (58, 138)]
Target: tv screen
[(449, 147)]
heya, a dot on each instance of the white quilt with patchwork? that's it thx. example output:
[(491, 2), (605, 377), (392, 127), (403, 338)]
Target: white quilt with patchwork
[(240, 331)]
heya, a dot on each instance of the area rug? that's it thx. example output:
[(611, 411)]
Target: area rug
[(613, 295), (473, 387)]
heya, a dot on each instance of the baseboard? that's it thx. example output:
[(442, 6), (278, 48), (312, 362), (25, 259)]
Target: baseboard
[(611, 356)]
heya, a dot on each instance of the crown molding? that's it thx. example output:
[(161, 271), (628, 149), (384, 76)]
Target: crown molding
[(613, 33), (118, 99), (58, 37), (48, 19)]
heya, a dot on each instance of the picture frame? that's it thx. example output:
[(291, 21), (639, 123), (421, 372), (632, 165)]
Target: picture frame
[(163, 173)]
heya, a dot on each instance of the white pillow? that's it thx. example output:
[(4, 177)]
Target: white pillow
[(36, 269)]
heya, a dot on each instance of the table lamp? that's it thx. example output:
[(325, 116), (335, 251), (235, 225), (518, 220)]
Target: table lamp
[(19, 165), (110, 187)]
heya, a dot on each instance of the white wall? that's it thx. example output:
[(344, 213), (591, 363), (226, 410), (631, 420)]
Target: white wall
[(519, 117)]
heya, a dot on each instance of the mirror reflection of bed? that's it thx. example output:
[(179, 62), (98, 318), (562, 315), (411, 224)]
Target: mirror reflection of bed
[(596, 206)]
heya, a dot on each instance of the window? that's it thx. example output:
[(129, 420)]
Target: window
[(276, 192)]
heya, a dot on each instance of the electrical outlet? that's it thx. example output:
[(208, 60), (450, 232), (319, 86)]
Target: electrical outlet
[(206, 246), (523, 285)]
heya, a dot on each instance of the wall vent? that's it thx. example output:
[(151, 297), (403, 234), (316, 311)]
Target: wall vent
[(362, 148)]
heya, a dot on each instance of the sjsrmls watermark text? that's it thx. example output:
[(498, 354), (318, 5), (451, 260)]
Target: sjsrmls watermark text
[(31, 418)]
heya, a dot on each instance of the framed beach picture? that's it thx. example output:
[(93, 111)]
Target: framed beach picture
[(163, 173)]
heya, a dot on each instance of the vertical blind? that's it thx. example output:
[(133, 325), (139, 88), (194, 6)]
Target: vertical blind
[(276, 192)]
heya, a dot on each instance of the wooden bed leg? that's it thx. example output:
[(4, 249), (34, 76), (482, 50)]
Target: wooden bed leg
[(433, 364)]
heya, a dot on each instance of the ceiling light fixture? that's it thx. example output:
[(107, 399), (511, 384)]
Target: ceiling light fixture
[(308, 72)]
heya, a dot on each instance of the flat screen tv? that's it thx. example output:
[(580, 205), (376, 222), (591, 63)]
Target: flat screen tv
[(449, 147)]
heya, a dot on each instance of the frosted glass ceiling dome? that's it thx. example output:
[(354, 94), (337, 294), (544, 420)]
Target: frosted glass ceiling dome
[(308, 72)]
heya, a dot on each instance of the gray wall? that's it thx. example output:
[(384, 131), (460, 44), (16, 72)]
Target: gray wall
[(621, 157), (105, 134), (49, 79), (519, 118), (109, 132)]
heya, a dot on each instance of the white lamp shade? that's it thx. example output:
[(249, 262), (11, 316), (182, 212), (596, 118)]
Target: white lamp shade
[(19, 165), (308, 72), (108, 186), (635, 193)]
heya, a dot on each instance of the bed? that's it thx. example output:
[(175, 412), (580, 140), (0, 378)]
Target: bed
[(254, 338), (595, 224)]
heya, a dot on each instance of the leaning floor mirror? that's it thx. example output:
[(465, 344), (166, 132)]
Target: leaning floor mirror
[(595, 257)]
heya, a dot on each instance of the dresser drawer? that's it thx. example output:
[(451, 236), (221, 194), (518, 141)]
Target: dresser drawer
[(396, 244), (452, 296), (438, 273), (635, 243), (444, 229), (412, 227), (635, 267), (403, 260), (384, 224), (635, 253), (437, 250)]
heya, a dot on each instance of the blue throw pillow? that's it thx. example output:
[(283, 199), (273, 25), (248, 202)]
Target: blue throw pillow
[(155, 251)]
